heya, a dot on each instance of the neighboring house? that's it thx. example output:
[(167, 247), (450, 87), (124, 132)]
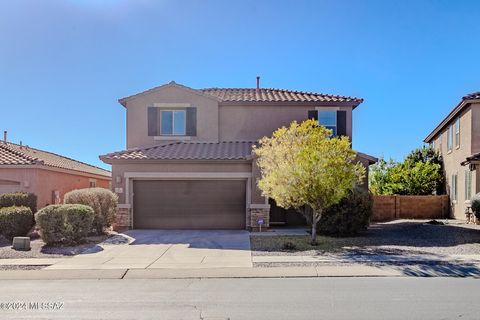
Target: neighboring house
[(189, 159), (45, 174), (457, 138)]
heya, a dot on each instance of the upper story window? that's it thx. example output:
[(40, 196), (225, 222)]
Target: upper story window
[(457, 133), (173, 122), (440, 142), (335, 120), (453, 195), (328, 119), (449, 138), (92, 183)]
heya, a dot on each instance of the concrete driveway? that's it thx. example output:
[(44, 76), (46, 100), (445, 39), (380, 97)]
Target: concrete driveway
[(168, 249)]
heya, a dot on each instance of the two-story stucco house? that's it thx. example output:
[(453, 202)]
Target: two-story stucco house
[(457, 138), (188, 163)]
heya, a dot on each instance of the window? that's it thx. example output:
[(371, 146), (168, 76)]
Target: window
[(453, 193), (173, 122), (440, 142), (328, 119), (92, 183), (449, 138), (457, 133), (468, 184)]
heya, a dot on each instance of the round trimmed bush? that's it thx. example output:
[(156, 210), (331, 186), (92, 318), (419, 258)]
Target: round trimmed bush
[(15, 221), (475, 203), (349, 217), (19, 199), (103, 202), (64, 223)]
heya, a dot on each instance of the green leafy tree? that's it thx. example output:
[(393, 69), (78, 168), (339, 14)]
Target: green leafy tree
[(303, 168), (420, 173), (379, 175)]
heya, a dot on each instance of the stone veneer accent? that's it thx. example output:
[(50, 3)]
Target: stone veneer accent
[(122, 219), (259, 213)]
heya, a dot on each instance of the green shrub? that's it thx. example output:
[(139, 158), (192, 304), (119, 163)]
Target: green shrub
[(19, 199), (15, 221), (289, 245), (64, 223), (475, 203), (349, 217), (103, 202)]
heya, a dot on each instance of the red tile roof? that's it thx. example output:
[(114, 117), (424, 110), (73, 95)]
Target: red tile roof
[(273, 95), (233, 150), (472, 96), (14, 154), (250, 95)]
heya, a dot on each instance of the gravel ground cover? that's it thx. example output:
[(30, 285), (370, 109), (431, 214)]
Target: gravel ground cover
[(40, 250), (20, 267), (400, 237)]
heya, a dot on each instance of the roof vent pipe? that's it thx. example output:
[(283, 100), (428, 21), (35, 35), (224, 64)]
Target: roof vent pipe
[(5, 136), (258, 82)]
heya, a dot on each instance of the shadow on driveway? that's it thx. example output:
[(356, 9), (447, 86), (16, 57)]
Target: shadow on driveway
[(207, 239)]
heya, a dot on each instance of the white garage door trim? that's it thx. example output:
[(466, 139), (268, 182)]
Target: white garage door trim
[(130, 176)]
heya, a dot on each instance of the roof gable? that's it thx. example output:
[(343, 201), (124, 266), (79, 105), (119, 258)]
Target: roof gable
[(123, 101), (465, 102)]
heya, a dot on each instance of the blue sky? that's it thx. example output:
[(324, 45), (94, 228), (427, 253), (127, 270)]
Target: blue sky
[(64, 64)]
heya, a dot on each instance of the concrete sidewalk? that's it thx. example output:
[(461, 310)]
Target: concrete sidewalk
[(357, 270), (234, 272), (365, 258)]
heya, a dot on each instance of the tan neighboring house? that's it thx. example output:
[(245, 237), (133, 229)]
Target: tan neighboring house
[(457, 138), (45, 174), (188, 163)]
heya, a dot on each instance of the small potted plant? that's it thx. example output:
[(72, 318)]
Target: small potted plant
[(476, 207)]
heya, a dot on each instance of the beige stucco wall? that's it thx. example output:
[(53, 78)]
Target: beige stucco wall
[(254, 122), (43, 182), (475, 137), (137, 125), (453, 158)]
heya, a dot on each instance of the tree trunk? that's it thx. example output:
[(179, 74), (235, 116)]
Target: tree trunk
[(313, 241), (316, 215)]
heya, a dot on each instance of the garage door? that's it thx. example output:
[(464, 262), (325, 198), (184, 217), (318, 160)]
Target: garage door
[(189, 204)]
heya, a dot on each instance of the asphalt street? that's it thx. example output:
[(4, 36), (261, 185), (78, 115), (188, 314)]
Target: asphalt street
[(292, 298)]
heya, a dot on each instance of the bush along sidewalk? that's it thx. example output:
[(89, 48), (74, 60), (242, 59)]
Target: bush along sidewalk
[(102, 201), (19, 199), (349, 217), (65, 224), (15, 221)]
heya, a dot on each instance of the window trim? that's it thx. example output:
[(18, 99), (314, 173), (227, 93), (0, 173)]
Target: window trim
[(450, 138), (454, 188), (92, 181), (457, 133), (468, 185), (184, 111)]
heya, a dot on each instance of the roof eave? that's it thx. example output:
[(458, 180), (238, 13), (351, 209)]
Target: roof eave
[(458, 108), (352, 104), (153, 161)]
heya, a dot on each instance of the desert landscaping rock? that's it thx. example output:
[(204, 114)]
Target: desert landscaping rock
[(20, 267), (401, 237), (40, 250)]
